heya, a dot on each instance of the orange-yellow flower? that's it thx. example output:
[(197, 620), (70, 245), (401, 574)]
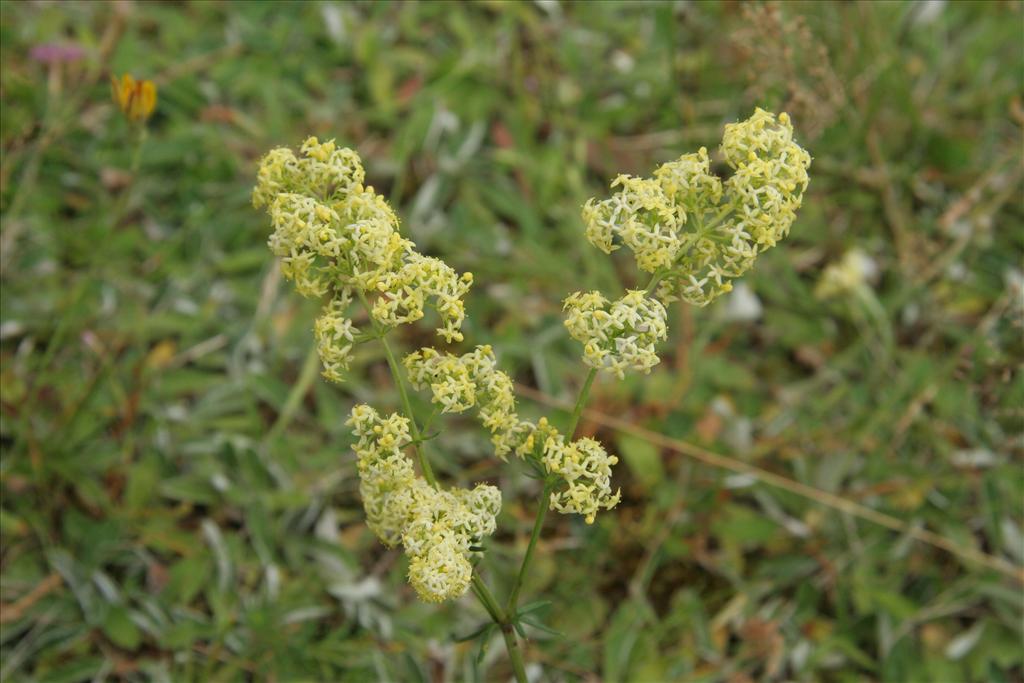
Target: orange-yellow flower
[(137, 99)]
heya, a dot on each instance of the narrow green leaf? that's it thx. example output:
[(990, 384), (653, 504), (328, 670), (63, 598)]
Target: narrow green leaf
[(533, 606), (537, 625), (471, 636), (122, 631)]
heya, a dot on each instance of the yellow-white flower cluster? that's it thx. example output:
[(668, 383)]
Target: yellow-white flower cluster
[(769, 175), (852, 272), (405, 291), (695, 232), (336, 236), (641, 217), (335, 337), (586, 469), (620, 336), (457, 383), (436, 527)]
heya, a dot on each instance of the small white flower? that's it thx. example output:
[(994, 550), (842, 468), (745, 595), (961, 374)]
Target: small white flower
[(853, 271)]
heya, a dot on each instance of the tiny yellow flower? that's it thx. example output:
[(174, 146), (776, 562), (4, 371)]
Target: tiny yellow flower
[(137, 99)]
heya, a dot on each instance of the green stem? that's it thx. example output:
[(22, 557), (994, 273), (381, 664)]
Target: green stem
[(396, 374), (298, 391), (878, 316), (509, 614), (430, 421), (718, 219), (581, 401), (545, 498), (654, 280), (483, 593), (140, 142), (515, 653), (542, 511), (502, 619), (121, 204)]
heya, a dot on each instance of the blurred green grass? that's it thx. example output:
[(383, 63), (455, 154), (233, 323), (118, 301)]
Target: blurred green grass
[(174, 508)]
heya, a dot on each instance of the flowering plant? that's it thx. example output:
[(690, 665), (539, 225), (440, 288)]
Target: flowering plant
[(337, 238), (136, 99)]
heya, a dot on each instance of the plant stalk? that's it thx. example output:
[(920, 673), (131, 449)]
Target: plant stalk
[(655, 279), (504, 622), (509, 614), (396, 374), (121, 203), (545, 499), (542, 511), (515, 653), (581, 401), (486, 599)]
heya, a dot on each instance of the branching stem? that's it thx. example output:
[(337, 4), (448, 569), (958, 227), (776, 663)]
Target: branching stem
[(511, 611), (581, 401), (396, 374), (538, 523), (503, 618)]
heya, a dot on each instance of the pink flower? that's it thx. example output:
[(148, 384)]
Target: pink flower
[(55, 53)]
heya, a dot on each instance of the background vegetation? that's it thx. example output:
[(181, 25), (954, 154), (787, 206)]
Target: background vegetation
[(179, 498)]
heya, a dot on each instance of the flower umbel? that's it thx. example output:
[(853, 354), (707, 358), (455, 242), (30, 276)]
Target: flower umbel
[(618, 337), (337, 237), (460, 382), (695, 232), (582, 468), (586, 469), (437, 528)]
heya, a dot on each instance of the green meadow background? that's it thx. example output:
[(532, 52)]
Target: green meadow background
[(179, 499)]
